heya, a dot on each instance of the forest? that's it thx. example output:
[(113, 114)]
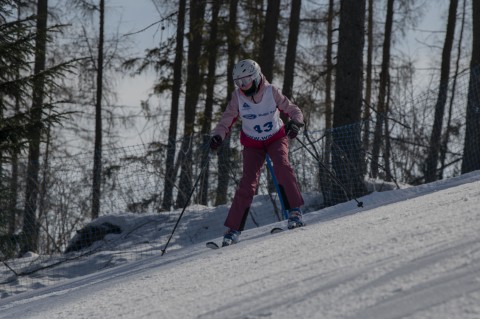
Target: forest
[(370, 118)]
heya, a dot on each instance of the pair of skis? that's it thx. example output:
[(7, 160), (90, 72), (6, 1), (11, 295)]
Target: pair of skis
[(275, 230)]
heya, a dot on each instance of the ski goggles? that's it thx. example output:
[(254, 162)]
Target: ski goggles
[(245, 82)]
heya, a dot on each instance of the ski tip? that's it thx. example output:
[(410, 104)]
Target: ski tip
[(212, 245), (276, 230)]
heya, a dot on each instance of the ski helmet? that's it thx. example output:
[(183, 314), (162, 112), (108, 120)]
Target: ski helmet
[(247, 76)]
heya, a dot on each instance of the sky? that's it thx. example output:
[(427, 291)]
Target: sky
[(408, 253), (131, 17)]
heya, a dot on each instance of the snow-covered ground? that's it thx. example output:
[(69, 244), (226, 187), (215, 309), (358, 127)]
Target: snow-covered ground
[(410, 253)]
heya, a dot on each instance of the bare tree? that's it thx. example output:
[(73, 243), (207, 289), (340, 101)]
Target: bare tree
[(382, 93), (176, 91), (431, 173), (267, 53), (368, 80), (449, 127), (192, 92), (233, 47), (471, 150), (329, 73), (212, 49), (290, 58), (347, 155), (97, 152)]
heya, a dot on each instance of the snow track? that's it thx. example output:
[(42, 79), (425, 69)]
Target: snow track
[(416, 258)]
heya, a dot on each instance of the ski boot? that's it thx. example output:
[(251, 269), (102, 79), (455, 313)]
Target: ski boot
[(230, 237), (295, 218)]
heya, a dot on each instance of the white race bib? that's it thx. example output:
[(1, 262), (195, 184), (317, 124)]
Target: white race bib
[(260, 120)]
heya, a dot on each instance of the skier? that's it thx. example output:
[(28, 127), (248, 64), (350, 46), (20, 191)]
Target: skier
[(259, 103)]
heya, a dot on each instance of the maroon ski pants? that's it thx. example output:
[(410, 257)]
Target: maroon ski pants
[(253, 160)]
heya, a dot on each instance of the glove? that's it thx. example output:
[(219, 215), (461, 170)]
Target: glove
[(215, 142), (292, 128)]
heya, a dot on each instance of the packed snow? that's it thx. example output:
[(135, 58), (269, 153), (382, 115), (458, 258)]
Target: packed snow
[(408, 253)]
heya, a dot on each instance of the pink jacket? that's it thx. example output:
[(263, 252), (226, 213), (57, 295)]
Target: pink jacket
[(231, 114)]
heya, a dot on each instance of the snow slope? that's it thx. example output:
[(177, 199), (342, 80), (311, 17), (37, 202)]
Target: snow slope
[(411, 253)]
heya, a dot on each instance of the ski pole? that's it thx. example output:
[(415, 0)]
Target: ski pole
[(277, 187), (335, 178), (204, 165)]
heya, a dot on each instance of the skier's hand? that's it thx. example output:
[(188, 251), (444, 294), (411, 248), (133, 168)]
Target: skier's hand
[(215, 142), (292, 128)]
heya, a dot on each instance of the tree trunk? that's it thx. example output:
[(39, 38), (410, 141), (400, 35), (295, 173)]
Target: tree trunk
[(207, 118), (224, 152), (431, 173), (388, 144), (324, 182), (368, 84), (267, 53), (13, 196), (346, 152), (471, 148), (43, 187), (384, 79), (291, 48), (13, 187), (446, 137), (30, 226), (97, 152), (192, 92), (329, 74), (176, 90)]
